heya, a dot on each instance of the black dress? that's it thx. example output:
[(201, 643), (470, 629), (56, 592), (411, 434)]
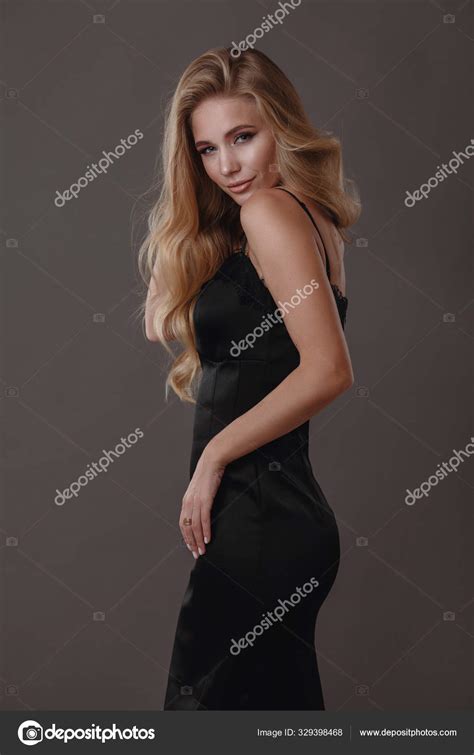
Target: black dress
[(245, 632)]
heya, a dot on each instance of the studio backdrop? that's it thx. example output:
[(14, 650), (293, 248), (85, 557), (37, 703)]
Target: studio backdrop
[(96, 458)]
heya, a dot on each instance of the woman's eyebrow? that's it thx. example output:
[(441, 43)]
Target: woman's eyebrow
[(229, 133)]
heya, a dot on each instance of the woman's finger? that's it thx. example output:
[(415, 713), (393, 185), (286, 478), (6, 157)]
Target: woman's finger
[(206, 523), (188, 537), (187, 529), (197, 529)]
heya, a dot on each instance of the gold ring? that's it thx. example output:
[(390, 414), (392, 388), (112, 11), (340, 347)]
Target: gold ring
[(187, 522)]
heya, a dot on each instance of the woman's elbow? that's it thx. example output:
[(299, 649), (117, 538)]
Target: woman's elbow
[(333, 380), (343, 380), (338, 380)]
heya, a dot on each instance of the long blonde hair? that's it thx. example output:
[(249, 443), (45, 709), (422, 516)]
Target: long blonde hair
[(193, 226)]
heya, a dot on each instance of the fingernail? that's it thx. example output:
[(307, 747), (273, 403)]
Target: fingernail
[(206, 540), (188, 547), (195, 554), (201, 553)]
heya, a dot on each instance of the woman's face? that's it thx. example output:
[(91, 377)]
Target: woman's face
[(235, 146)]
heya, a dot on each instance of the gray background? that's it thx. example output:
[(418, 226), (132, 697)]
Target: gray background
[(92, 589)]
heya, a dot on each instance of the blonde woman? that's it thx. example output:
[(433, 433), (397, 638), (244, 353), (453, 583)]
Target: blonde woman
[(244, 261)]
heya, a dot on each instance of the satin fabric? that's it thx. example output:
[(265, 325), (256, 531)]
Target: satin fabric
[(272, 527)]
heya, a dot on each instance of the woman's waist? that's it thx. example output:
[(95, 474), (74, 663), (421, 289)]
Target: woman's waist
[(228, 390), (274, 454), (209, 422), (230, 387)]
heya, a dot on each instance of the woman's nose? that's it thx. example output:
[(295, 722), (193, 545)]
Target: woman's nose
[(228, 163)]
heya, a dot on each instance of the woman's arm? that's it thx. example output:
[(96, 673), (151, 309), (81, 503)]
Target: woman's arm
[(287, 255)]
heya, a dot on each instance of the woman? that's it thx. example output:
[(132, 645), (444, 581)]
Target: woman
[(244, 259)]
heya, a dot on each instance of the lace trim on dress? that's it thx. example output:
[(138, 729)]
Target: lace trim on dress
[(338, 292)]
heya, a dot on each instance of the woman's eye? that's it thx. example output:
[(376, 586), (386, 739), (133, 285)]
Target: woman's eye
[(203, 151), (247, 133)]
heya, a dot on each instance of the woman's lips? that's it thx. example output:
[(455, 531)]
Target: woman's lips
[(241, 187)]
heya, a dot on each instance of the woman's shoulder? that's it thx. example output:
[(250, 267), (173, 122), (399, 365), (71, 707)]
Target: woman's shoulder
[(267, 201), (268, 205), (271, 212)]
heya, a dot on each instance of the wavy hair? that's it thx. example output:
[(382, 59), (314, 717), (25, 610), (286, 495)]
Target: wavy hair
[(194, 226)]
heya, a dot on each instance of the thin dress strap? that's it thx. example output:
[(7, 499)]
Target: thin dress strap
[(302, 204)]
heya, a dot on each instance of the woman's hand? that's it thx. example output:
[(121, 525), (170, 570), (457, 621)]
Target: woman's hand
[(197, 503)]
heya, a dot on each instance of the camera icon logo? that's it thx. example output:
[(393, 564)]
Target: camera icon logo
[(30, 732)]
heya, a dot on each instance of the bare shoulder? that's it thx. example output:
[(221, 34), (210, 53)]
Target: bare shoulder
[(271, 219), (269, 208)]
